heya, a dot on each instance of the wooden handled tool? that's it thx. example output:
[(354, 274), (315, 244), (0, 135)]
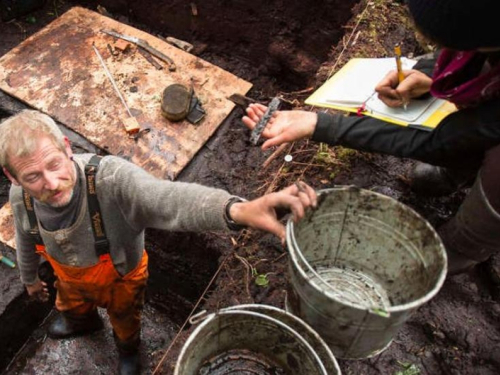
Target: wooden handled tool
[(131, 125)]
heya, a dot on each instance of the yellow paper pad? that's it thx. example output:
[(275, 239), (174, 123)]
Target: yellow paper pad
[(354, 85)]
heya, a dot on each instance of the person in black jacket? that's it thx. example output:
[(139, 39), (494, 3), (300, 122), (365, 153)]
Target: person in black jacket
[(467, 73)]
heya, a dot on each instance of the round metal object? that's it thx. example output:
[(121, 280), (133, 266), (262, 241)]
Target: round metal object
[(175, 102), (257, 338)]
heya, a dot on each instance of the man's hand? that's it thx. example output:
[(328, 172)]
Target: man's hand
[(284, 126), (396, 94), (261, 213), (38, 291)]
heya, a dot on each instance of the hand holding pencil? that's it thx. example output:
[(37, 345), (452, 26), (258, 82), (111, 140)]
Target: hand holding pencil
[(399, 86)]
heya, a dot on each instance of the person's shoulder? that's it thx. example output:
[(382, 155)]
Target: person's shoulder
[(107, 163), (113, 163), (115, 167)]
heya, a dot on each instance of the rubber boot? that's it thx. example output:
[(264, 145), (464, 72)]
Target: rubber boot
[(69, 325), (129, 359), (430, 180), (473, 235)]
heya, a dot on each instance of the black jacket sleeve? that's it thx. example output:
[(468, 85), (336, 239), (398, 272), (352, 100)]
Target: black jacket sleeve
[(459, 141), (427, 63)]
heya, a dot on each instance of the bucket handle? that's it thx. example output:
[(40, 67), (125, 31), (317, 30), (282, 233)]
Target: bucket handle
[(376, 311), (198, 317)]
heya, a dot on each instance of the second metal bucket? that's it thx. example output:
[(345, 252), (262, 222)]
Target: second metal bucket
[(360, 264), (256, 339)]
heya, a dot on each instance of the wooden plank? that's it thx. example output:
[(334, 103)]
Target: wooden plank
[(7, 233), (57, 72)]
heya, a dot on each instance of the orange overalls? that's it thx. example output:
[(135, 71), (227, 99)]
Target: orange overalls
[(81, 289)]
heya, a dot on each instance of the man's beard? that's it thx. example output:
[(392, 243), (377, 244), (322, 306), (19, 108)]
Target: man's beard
[(65, 186)]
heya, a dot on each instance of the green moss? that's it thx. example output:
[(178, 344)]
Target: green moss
[(345, 154)]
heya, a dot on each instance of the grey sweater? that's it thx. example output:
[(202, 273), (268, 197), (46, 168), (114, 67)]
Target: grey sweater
[(131, 200)]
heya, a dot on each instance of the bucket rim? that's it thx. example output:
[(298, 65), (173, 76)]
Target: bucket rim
[(296, 319), (211, 317), (436, 287)]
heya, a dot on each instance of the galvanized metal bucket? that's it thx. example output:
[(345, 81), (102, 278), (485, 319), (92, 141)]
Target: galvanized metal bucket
[(359, 266), (257, 338)]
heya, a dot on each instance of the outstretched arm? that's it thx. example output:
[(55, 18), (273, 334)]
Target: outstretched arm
[(262, 213), (444, 146), (147, 202)]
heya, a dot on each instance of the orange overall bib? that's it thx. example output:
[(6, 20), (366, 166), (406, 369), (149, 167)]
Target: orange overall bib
[(81, 289)]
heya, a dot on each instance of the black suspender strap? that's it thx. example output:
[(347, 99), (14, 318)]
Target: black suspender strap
[(101, 242), (34, 231)]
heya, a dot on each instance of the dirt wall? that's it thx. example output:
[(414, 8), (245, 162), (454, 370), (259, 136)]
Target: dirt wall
[(286, 39)]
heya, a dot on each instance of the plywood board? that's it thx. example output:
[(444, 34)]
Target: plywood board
[(7, 234), (58, 72)]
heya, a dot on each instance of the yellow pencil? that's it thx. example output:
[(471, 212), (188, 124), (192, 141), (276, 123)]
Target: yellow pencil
[(401, 76)]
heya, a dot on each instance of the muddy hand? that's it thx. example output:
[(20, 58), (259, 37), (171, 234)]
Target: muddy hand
[(263, 213), (38, 291), (283, 127), (395, 94)]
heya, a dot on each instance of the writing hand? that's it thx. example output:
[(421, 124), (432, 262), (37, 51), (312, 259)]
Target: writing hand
[(395, 94)]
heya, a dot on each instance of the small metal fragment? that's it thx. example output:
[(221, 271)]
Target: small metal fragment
[(110, 50), (241, 100), (144, 44), (139, 134), (185, 46), (261, 125), (196, 111), (149, 58)]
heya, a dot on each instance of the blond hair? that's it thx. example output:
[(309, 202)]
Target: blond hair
[(19, 135)]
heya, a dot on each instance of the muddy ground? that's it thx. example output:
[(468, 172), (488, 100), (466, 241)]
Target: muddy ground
[(285, 48)]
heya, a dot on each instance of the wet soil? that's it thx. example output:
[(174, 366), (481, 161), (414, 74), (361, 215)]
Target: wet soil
[(288, 48)]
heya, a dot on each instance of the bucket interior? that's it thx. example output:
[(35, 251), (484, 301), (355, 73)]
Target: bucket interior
[(368, 250), (246, 337), (300, 327)]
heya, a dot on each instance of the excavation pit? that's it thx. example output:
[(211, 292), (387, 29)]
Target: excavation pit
[(446, 336), (276, 46)]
